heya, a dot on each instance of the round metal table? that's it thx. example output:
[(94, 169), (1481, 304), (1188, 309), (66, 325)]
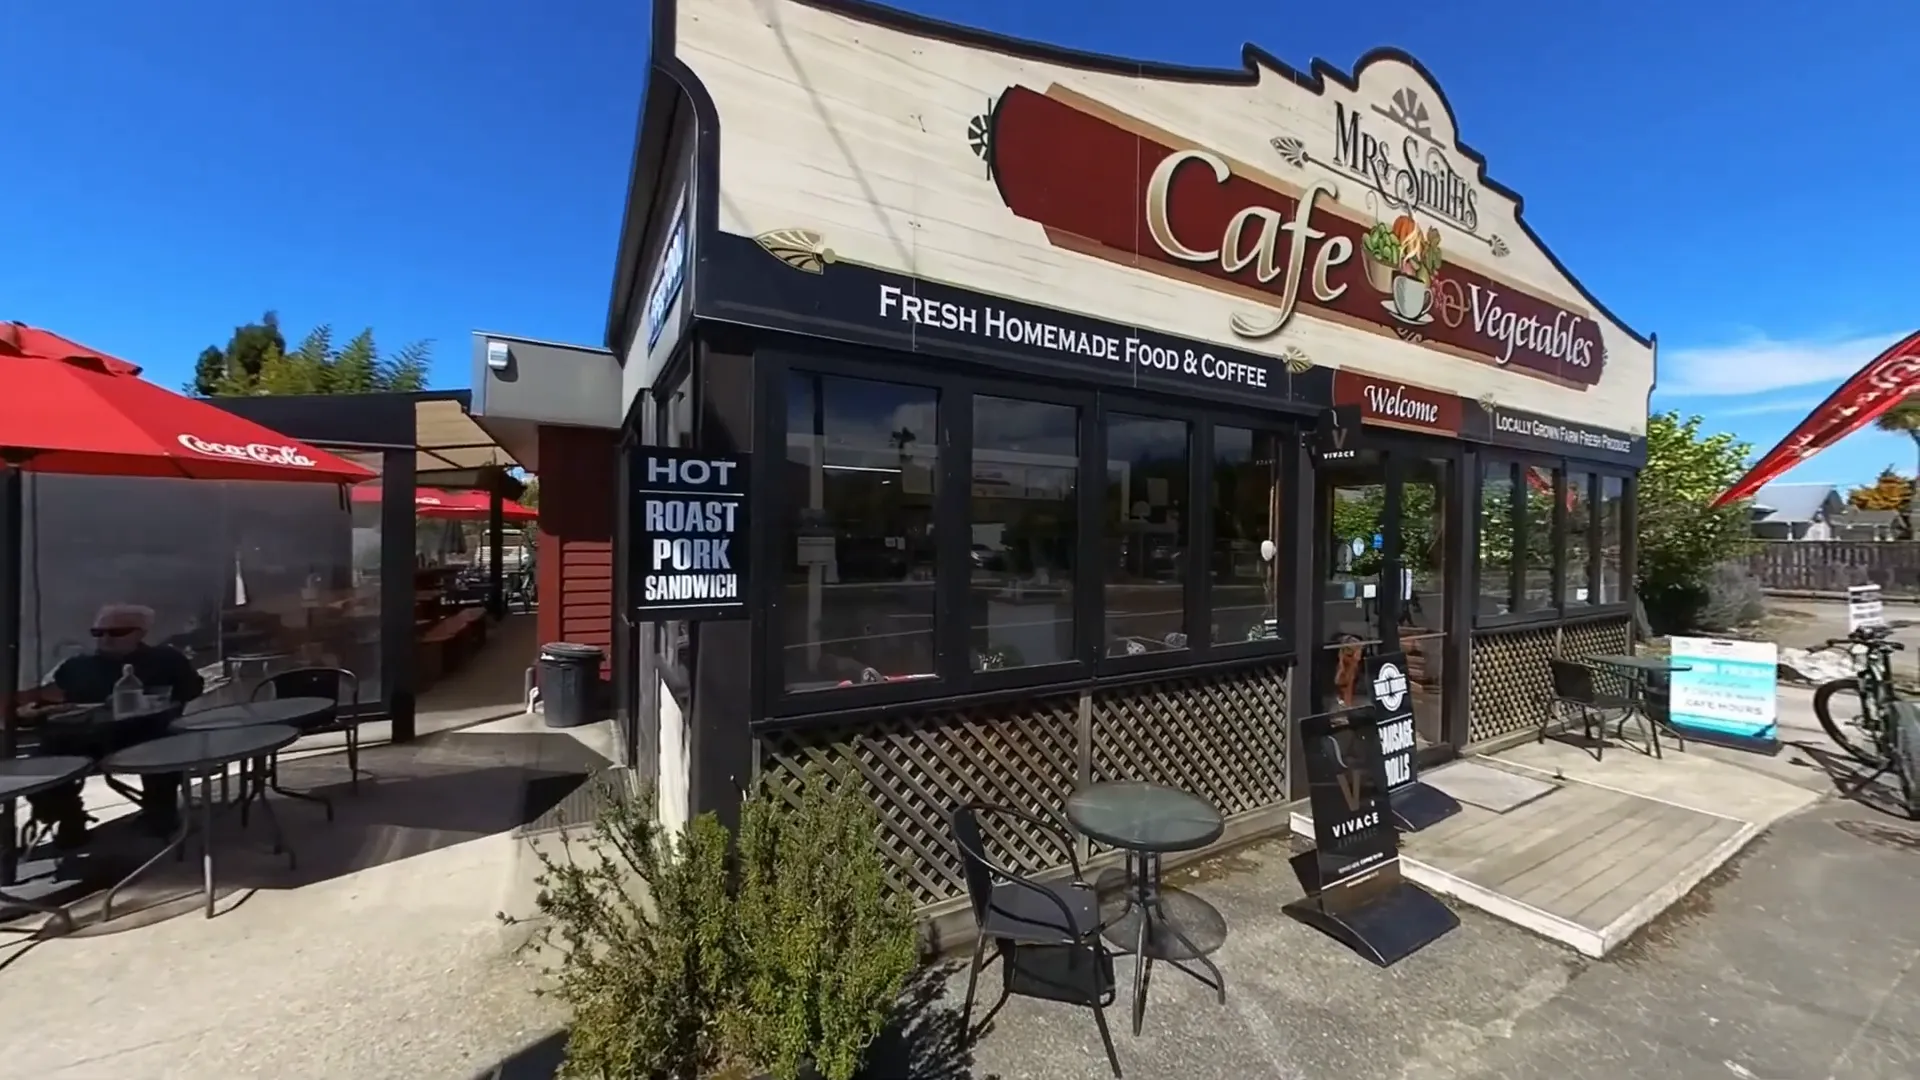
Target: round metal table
[(294, 712), (22, 777), (202, 755), (1148, 821), (299, 713)]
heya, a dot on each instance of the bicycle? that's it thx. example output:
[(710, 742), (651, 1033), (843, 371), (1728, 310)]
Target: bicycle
[(1891, 723)]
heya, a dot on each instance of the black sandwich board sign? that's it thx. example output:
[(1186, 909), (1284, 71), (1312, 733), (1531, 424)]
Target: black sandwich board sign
[(690, 539), (1337, 438), (1355, 893), (1414, 805)]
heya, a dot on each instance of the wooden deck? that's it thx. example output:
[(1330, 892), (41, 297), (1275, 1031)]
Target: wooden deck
[(1584, 865)]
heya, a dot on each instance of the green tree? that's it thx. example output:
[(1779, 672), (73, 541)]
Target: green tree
[(530, 498), (219, 370), (1890, 491), (1903, 417), (1681, 538), (314, 366)]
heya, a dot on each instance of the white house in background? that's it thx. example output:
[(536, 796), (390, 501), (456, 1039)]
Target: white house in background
[(1817, 512)]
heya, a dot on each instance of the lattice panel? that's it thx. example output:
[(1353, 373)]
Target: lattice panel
[(1509, 682), (1598, 638), (1221, 736), (917, 764)]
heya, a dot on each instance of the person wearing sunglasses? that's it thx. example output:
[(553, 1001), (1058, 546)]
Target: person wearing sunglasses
[(119, 642)]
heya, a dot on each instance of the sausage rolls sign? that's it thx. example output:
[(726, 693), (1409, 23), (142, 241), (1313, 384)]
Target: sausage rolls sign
[(690, 535)]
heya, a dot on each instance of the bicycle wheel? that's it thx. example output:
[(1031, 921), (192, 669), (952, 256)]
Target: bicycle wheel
[(1906, 745), (1848, 730)]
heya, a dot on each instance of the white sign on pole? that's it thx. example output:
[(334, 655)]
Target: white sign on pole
[(1863, 607)]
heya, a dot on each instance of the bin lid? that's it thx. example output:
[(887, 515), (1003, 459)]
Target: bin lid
[(561, 650)]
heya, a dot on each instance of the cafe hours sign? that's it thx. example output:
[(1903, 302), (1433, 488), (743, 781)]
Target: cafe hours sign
[(690, 535)]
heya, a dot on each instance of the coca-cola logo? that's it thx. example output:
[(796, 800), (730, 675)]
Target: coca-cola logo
[(259, 453)]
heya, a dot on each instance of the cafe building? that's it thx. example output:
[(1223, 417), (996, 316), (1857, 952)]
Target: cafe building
[(1025, 350)]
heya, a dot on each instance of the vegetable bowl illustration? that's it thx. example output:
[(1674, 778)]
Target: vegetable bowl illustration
[(1401, 261)]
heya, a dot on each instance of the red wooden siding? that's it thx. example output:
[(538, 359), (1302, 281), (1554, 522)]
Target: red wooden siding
[(579, 475)]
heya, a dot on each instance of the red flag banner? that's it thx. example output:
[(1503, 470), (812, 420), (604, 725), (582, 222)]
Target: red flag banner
[(1883, 383)]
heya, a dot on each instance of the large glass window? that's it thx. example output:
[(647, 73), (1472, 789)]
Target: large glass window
[(673, 427), (1536, 584), (1146, 534), (1612, 522), (1025, 482), (1576, 589), (1248, 566), (857, 604), (1496, 537)]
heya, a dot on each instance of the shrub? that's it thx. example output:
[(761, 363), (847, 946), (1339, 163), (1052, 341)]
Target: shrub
[(646, 960), (1733, 598), (825, 945)]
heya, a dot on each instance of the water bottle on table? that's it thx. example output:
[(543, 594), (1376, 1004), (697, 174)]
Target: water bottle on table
[(129, 696)]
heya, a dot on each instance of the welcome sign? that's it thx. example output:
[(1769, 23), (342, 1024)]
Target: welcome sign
[(690, 535)]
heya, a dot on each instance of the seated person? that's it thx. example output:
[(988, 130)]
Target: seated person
[(119, 635)]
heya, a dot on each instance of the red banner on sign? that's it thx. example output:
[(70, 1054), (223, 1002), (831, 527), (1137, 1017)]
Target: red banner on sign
[(1872, 390)]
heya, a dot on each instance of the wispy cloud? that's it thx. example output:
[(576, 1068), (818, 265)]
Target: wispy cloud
[(1762, 408), (1761, 364)]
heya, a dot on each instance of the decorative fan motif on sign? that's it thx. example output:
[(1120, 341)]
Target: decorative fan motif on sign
[(1409, 110), (801, 249), (1498, 246), (977, 136), (1297, 360), (1487, 404), (1291, 149)]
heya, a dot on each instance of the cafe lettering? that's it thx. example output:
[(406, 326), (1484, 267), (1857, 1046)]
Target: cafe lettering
[(1100, 391)]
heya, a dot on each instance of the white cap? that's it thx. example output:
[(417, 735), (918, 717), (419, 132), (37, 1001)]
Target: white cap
[(124, 617)]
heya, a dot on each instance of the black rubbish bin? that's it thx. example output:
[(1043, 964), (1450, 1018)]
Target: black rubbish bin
[(570, 683)]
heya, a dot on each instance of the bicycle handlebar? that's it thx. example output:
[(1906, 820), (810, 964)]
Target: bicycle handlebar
[(1869, 642)]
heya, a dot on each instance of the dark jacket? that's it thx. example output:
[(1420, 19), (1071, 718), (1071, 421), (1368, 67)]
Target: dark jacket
[(89, 678)]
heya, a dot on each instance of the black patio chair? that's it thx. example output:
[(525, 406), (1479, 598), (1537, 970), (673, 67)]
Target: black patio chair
[(340, 686), (1046, 935), (1574, 687)]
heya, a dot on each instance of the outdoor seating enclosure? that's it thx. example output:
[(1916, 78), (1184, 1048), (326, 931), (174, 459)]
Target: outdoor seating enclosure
[(256, 576), (1029, 369)]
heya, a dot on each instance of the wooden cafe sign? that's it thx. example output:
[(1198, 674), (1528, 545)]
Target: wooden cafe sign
[(1070, 165), (1242, 234)]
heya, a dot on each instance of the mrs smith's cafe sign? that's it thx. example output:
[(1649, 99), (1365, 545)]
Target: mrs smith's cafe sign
[(1202, 220), (967, 192)]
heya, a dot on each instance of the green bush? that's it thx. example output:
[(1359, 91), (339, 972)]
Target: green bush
[(825, 946), (646, 958)]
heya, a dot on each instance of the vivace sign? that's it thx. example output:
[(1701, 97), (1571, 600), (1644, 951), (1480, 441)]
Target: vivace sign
[(689, 535), (1106, 185)]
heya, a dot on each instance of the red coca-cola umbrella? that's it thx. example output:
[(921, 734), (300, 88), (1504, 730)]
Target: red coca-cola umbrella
[(65, 408), (1883, 383), (456, 505)]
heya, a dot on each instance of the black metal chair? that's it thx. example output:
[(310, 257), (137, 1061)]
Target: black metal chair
[(336, 684), (1574, 687), (1046, 935)]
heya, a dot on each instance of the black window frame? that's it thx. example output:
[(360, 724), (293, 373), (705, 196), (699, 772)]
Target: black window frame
[(957, 386), (1562, 609)]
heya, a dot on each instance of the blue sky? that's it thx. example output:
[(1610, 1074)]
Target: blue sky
[(1719, 175)]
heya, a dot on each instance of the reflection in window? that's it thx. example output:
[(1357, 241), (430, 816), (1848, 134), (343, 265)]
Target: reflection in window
[(245, 578), (1026, 467), (1579, 538), (857, 604), (1537, 584), (1612, 519), (1146, 533), (1246, 533), (673, 426), (1496, 538)]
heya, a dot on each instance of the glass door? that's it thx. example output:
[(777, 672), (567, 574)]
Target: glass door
[(1381, 552)]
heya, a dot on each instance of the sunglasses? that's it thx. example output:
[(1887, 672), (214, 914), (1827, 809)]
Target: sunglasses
[(116, 631)]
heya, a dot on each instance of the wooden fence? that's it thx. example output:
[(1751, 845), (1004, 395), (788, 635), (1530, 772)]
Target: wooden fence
[(1829, 566)]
